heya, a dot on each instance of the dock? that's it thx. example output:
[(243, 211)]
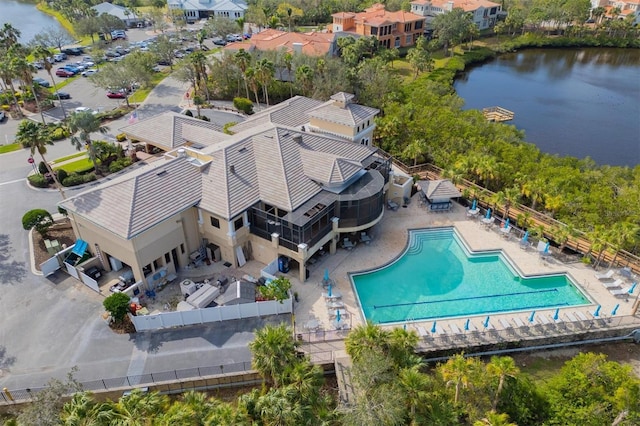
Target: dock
[(497, 113)]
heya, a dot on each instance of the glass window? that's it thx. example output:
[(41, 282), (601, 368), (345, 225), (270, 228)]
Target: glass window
[(215, 222), (157, 264), (167, 258), (239, 223), (182, 248)]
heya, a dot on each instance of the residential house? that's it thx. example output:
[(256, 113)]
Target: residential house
[(288, 182), (484, 12), (202, 9), (316, 44), (127, 15), (625, 7), (392, 29)]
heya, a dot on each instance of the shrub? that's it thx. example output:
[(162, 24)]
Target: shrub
[(117, 305), (39, 219), (227, 126), (58, 134), (63, 212), (203, 118), (42, 168), (75, 179), (39, 181), (61, 174), (277, 289), (243, 104), (121, 137), (188, 113), (119, 164)]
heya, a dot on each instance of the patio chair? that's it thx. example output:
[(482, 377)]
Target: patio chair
[(612, 285), (347, 244), (621, 292), (392, 205), (365, 238), (606, 276)]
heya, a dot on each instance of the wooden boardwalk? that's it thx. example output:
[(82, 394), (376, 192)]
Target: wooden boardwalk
[(497, 113)]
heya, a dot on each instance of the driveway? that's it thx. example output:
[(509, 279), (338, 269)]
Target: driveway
[(51, 324)]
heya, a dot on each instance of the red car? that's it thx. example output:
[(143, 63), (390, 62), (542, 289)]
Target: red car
[(61, 72), (116, 94)]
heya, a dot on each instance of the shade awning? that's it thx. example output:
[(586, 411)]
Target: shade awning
[(80, 247)]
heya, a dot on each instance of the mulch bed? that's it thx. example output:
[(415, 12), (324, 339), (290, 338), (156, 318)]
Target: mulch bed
[(124, 327), (61, 231)]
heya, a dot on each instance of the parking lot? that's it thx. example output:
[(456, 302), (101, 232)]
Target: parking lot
[(83, 92)]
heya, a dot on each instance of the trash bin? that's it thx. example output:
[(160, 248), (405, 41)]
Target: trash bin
[(283, 264)]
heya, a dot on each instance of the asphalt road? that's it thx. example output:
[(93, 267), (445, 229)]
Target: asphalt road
[(49, 325)]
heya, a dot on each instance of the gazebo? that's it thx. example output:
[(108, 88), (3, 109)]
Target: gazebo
[(438, 194)]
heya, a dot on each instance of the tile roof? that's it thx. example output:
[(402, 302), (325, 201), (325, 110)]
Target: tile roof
[(377, 15), (351, 115), (466, 5), (138, 200), (311, 44), (170, 130), (267, 161), (292, 113), (222, 6), (439, 189)]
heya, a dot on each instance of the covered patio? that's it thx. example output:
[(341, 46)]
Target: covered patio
[(437, 194)]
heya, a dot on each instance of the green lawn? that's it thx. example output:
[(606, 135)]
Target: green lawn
[(68, 157), (81, 165), (10, 147)]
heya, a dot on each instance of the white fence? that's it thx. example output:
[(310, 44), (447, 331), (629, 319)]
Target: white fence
[(215, 314)]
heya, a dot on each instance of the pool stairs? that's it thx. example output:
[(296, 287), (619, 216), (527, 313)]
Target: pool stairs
[(418, 237)]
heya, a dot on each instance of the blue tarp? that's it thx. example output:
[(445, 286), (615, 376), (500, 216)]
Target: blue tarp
[(80, 247)]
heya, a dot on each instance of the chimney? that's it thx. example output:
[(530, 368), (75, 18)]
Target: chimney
[(182, 153), (297, 48), (449, 6), (232, 169), (297, 139)]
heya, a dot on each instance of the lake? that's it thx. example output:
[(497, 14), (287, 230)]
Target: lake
[(24, 16), (577, 102)]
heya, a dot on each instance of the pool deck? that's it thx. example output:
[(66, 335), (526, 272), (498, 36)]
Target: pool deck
[(390, 238)]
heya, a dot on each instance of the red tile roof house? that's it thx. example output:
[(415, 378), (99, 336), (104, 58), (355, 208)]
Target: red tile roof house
[(312, 44), (392, 29)]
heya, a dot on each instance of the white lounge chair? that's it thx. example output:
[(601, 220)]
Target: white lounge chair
[(612, 285), (606, 276), (543, 319), (620, 292), (505, 231), (439, 331), (557, 321), (581, 316), (518, 322), (421, 331), (454, 329), (506, 325)]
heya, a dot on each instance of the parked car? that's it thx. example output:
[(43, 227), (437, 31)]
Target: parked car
[(116, 94), (63, 95), (71, 68), (86, 64), (75, 51), (234, 37), (90, 71), (59, 57), (84, 109), (3, 115), (219, 42), (41, 81), (61, 72), (118, 35), (38, 64)]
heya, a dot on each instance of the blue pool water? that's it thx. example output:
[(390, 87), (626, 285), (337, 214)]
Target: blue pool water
[(437, 276)]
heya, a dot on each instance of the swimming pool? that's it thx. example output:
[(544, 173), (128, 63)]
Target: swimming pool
[(437, 276)]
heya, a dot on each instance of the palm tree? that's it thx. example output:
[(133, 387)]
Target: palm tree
[(457, 372), (494, 419), (501, 367), (251, 78), (534, 190), (415, 149), (274, 351), (25, 72), (140, 409), (9, 35), (242, 58), (287, 58), (36, 137), (265, 70), (86, 123), (623, 233), (414, 387), (304, 77), (43, 54), (7, 74), (83, 410), (199, 62), (363, 338), (193, 408)]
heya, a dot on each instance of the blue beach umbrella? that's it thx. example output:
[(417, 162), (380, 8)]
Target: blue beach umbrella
[(633, 287), (486, 322), (329, 290), (326, 274), (433, 329), (475, 203), (506, 223), (404, 326), (338, 315), (615, 309), (466, 325), (488, 215), (532, 317), (597, 312), (556, 314), (546, 248), (526, 237)]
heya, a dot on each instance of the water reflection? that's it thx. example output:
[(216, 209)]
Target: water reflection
[(578, 102)]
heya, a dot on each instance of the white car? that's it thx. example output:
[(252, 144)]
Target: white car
[(90, 71), (85, 109)]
